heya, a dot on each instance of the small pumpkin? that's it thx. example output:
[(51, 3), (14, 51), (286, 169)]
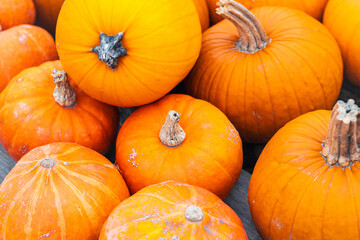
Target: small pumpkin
[(128, 53), (16, 12), (22, 47), (179, 138), (266, 67), (342, 18), (203, 11), (39, 106), (314, 8), (173, 210), (59, 191), (47, 12), (305, 184)]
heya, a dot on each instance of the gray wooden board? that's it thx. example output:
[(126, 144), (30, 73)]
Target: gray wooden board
[(237, 200)]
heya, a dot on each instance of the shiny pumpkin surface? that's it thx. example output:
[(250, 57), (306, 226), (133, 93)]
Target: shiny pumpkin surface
[(294, 194), (22, 47), (16, 12), (342, 18), (30, 117), (162, 40), (47, 12), (70, 201), (159, 212), (314, 8), (300, 70), (210, 157)]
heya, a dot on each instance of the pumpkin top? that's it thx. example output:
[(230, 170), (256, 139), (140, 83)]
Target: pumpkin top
[(341, 146)]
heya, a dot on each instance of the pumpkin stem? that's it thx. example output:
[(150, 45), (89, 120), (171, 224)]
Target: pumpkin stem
[(194, 213), (171, 134), (63, 93), (252, 36), (110, 49), (342, 144)]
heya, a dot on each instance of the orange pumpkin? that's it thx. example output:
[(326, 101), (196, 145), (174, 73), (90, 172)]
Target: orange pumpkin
[(128, 53), (342, 18), (202, 148), (39, 106), (265, 68), (47, 12), (305, 184), (22, 47), (203, 11), (173, 210), (314, 8), (59, 191), (16, 12)]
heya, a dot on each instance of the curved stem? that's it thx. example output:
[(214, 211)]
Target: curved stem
[(171, 133), (63, 93), (252, 36), (342, 143)]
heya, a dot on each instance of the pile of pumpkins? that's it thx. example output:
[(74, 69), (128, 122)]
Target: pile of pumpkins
[(271, 74)]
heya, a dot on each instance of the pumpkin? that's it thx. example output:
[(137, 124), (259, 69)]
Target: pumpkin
[(173, 210), (47, 12), (16, 12), (59, 191), (39, 106), (305, 184), (314, 8), (22, 47), (128, 53), (342, 18), (203, 11), (266, 67), (183, 139)]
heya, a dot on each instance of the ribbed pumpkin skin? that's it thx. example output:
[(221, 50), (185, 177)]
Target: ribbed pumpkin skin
[(158, 212), (314, 8), (210, 157), (342, 18), (203, 11), (30, 117), (47, 12), (16, 12), (300, 70), (162, 48), (22, 47), (294, 194), (70, 201)]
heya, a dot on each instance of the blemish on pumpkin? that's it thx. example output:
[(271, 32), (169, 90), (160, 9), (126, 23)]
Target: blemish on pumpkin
[(23, 149), (66, 163), (222, 222), (132, 156)]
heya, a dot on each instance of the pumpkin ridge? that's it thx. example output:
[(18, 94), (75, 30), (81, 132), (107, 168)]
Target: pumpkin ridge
[(59, 210), (351, 189)]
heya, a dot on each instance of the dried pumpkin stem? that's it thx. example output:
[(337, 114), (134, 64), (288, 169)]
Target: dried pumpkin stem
[(194, 213), (341, 145), (63, 93), (252, 36), (171, 133), (110, 49)]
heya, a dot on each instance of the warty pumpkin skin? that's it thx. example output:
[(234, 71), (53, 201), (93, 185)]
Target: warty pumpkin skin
[(200, 147), (296, 67), (203, 11), (173, 210), (153, 46), (16, 12), (59, 191), (306, 182), (35, 111), (47, 12), (342, 19), (22, 47), (314, 8)]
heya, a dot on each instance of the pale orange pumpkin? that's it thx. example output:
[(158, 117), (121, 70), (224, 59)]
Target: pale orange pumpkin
[(59, 191)]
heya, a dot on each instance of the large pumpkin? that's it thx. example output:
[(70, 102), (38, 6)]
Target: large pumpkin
[(39, 106), (16, 12), (179, 138), (22, 47), (314, 8), (305, 184), (342, 18), (267, 67), (59, 191), (128, 53), (173, 210), (47, 12)]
